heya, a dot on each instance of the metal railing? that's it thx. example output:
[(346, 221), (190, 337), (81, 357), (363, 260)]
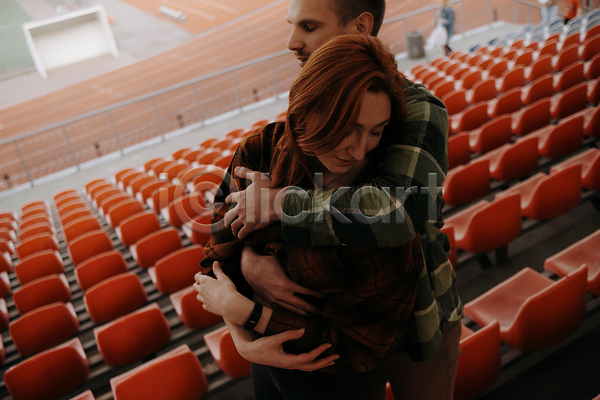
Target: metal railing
[(29, 157)]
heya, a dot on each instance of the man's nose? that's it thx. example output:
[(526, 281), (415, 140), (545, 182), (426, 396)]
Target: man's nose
[(294, 42)]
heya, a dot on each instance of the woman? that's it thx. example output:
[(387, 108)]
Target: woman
[(346, 95)]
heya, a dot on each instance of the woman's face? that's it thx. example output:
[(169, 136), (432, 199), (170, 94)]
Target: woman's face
[(374, 115)]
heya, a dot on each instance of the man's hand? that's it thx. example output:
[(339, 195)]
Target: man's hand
[(271, 284), (258, 206), (268, 350)]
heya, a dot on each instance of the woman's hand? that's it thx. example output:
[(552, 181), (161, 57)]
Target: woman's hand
[(220, 296), (268, 350)]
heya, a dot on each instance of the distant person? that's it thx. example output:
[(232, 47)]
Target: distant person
[(447, 20), (549, 11), (573, 10)]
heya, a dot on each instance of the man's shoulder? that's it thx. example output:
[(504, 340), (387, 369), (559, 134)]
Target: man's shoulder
[(417, 93)]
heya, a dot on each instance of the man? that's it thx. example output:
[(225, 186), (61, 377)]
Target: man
[(417, 158)]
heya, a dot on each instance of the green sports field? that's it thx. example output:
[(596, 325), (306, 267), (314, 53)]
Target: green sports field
[(13, 49)]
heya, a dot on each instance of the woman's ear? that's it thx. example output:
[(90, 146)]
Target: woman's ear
[(363, 24)]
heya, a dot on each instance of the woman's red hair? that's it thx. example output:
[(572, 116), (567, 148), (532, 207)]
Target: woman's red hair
[(326, 99)]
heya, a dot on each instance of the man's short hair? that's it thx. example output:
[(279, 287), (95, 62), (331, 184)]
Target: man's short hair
[(347, 10)]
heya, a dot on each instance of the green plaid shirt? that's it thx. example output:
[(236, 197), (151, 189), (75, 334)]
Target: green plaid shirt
[(398, 208)]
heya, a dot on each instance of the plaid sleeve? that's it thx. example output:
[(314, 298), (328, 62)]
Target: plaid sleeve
[(390, 208)]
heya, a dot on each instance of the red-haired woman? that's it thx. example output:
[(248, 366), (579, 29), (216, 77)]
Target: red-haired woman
[(343, 106)]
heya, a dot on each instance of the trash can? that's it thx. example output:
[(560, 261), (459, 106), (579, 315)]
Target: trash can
[(415, 44)]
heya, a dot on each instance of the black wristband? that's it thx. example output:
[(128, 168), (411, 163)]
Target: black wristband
[(254, 317)]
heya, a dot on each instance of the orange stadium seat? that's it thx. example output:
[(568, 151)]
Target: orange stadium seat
[(559, 140), (34, 204), (105, 195), (491, 135), (545, 197), (591, 123), (40, 264), (198, 229), (483, 90), (175, 169), (39, 242), (177, 373), (137, 226), (191, 311), (89, 185), (87, 395), (550, 47), (88, 245), (208, 156), (35, 212), (33, 221), (458, 150), (123, 210), (570, 101), (469, 79), (590, 168), (522, 60), (466, 183), (443, 89), (518, 44), (119, 175), (541, 88), (584, 252), (506, 103), (8, 235), (67, 199), (570, 76), (5, 287), (469, 119), (136, 184), (6, 264), (128, 177), (159, 167), (591, 69), (100, 267), (9, 224), (151, 162), (155, 245), (223, 350), (455, 101), (593, 91), (531, 118), (177, 155), (510, 55), (44, 328), (486, 226), (484, 64), (9, 215), (479, 363), (191, 155), (589, 48), (3, 323), (162, 197), (513, 161), (50, 374), (534, 311), (74, 215), (571, 40), (590, 33), (78, 227), (176, 270), (497, 69), (114, 297), (512, 78), (112, 201), (42, 291), (7, 246), (98, 188), (184, 208), (133, 337), (566, 57), (71, 206), (65, 193), (36, 229), (146, 191)]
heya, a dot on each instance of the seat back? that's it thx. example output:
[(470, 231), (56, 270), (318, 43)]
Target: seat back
[(34, 221), (176, 270), (524, 59), (483, 90), (80, 226), (114, 297), (556, 195), (36, 243), (570, 76), (590, 47), (494, 134), (498, 69), (155, 245), (36, 229), (466, 183), (40, 264), (563, 139), (100, 267), (567, 56), (113, 201), (538, 89), (42, 291), (441, 90), (223, 350), (570, 101), (532, 117), (191, 311), (105, 195), (137, 226), (512, 79), (458, 150), (88, 245), (455, 101), (162, 197), (122, 211), (177, 373), (553, 314), (506, 103), (470, 79)]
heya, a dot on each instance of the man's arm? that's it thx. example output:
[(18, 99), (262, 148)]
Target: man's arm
[(416, 158)]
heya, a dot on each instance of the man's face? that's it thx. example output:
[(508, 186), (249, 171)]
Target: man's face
[(313, 23)]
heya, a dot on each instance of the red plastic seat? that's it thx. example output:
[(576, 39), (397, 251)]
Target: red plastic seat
[(150, 163), (590, 168), (590, 33), (589, 48), (88, 245), (584, 252), (591, 68), (146, 190), (479, 363), (469, 119), (112, 202), (458, 150), (9, 224), (7, 246), (566, 57), (593, 91), (512, 161), (469, 79), (100, 267), (10, 215), (570, 76), (545, 197), (570, 101), (485, 63), (511, 79), (78, 227), (497, 69), (176, 270), (534, 311), (119, 175), (506, 103), (466, 183), (184, 208), (483, 90), (176, 375), (128, 177), (42, 291), (443, 89), (67, 199), (40, 264), (531, 118), (65, 193), (34, 204), (71, 206), (207, 178), (510, 54), (221, 346), (5, 287), (162, 197), (133, 337), (208, 156), (6, 264), (94, 182), (175, 169), (50, 374), (34, 221), (36, 243), (487, 226), (154, 246), (97, 189), (137, 226), (123, 210), (539, 89), (523, 59), (429, 76), (44, 327), (191, 311), (105, 195), (455, 101), (8, 235), (571, 40), (114, 297), (159, 167), (491, 135), (36, 229), (87, 395), (550, 47), (199, 228), (461, 71), (559, 140), (136, 184), (75, 214), (3, 323), (191, 155), (591, 121)]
